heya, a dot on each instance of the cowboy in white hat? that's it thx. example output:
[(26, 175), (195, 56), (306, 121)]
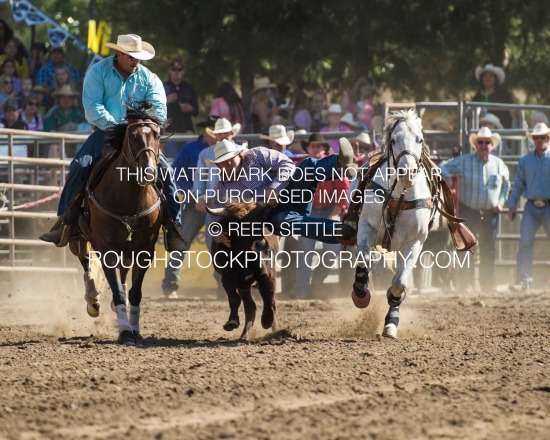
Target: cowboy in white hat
[(109, 86), (265, 175), (223, 127), (484, 185), (492, 122), (279, 139), (532, 181)]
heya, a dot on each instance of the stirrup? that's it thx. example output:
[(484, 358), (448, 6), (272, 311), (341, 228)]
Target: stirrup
[(173, 238), (65, 236)]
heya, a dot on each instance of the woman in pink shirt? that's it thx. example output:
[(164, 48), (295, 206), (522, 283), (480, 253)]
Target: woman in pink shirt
[(229, 105)]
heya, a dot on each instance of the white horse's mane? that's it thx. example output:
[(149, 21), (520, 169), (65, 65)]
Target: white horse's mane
[(408, 116)]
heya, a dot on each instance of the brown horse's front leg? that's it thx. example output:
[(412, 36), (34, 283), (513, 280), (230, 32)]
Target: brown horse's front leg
[(249, 313), (125, 334)]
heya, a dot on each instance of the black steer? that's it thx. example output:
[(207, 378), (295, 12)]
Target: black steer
[(250, 259)]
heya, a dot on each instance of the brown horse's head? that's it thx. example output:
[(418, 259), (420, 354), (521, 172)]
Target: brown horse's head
[(141, 145)]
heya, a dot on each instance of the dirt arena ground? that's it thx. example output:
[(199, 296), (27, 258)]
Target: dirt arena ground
[(464, 367)]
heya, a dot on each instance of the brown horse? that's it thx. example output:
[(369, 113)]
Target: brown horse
[(122, 218)]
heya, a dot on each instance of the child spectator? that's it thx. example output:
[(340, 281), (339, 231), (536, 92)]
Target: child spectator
[(31, 113), (12, 52)]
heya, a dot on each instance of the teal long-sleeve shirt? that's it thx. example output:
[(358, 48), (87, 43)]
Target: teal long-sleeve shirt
[(106, 93)]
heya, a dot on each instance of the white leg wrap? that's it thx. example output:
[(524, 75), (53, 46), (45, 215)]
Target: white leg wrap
[(122, 318), (134, 318)]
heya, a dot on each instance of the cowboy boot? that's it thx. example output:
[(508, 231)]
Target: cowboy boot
[(173, 237), (345, 158), (59, 234)]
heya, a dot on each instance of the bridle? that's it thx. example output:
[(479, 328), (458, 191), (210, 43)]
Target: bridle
[(417, 158), (394, 206), (132, 160)]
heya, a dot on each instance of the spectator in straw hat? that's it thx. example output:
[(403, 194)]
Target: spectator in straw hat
[(491, 79), (64, 115), (484, 185), (110, 85), (532, 181), (279, 139), (334, 116), (263, 106)]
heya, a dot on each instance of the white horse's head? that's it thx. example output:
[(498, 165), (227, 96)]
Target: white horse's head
[(403, 140)]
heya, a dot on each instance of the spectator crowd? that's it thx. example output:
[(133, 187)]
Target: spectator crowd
[(40, 90)]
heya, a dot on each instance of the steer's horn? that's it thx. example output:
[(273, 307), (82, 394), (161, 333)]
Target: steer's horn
[(220, 212)]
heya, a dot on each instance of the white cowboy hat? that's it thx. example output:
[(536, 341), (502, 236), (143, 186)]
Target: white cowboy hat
[(348, 120), (335, 109), (131, 44), (263, 83), (484, 133), (495, 70), (541, 129), (278, 133), (226, 150), (491, 119), (222, 125), (363, 137)]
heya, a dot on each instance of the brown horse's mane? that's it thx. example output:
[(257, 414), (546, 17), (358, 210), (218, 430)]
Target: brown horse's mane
[(139, 110)]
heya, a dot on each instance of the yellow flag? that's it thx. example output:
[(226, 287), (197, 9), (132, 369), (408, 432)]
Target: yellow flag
[(98, 35)]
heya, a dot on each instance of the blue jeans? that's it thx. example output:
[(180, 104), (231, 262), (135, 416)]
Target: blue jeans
[(81, 167), (192, 222), (532, 218), (306, 273), (294, 215), (484, 224)]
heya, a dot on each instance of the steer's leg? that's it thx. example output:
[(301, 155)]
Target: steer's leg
[(234, 303), (266, 285), (249, 312)]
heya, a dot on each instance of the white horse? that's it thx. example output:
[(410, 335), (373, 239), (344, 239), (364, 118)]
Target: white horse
[(396, 213)]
